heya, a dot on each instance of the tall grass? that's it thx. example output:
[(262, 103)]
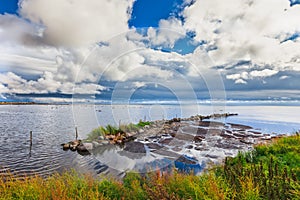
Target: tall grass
[(265, 173)]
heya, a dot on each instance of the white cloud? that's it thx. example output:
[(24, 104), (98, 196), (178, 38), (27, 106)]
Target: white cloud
[(247, 30), (167, 34), (263, 73), (240, 78), (15, 30), (138, 84), (243, 75), (76, 22), (240, 81), (14, 84), (283, 77)]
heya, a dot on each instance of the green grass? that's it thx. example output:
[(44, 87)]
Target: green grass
[(112, 130), (269, 172)]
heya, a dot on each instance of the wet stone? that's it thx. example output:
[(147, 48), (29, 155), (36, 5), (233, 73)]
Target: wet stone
[(153, 146), (201, 131), (135, 147), (177, 149), (186, 160), (239, 126)]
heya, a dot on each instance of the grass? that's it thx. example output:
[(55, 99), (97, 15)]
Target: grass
[(269, 172), (113, 130)]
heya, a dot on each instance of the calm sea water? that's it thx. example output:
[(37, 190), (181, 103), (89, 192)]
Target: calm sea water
[(53, 125)]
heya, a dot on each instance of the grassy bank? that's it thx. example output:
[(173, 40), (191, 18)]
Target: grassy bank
[(269, 172)]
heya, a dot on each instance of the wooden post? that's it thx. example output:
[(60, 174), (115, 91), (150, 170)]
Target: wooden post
[(30, 146), (76, 133), (30, 137)]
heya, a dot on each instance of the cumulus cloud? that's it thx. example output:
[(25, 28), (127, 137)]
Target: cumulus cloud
[(76, 22), (167, 34), (255, 30), (11, 83), (263, 73), (15, 30)]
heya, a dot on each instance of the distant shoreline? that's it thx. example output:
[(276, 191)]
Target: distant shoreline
[(31, 103)]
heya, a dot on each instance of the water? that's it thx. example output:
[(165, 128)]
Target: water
[(53, 125)]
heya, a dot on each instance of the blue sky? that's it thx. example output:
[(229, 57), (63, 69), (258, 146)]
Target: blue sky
[(8, 6), (151, 49)]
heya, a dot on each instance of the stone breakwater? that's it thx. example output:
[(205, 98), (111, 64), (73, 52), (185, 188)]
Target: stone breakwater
[(194, 140)]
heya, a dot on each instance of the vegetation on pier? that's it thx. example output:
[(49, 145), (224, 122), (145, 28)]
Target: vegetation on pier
[(113, 130)]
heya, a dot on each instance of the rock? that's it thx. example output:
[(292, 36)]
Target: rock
[(240, 126), (135, 147), (131, 134), (88, 146), (96, 144), (166, 126), (166, 141), (66, 146), (73, 148), (75, 142), (226, 146), (255, 132), (146, 126), (201, 131), (239, 135), (104, 142), (226, 135), (141, 131), (198, 148), (186, 160), (184, 136), (189, 146), (153, 146), (211, 124), (81, 148), (212, 156), (154, 137), (119, 142), (172, 133), (198, 139), (247, 141), (101, 137), (165, 152), (176, 149), (215, 131)]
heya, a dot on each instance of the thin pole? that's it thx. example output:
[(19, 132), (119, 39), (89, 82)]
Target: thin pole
[(30, 146), (76, 133), (30, 137)]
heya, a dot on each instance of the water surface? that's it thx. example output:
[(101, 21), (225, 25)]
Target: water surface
[(53, 125)]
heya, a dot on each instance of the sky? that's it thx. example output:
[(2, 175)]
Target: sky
[(125, 50)]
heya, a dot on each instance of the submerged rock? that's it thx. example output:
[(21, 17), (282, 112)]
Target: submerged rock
[(135, 147), (154, 146)]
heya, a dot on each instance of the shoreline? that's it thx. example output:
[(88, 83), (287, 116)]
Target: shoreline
[(266, 172), (31, 103)]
